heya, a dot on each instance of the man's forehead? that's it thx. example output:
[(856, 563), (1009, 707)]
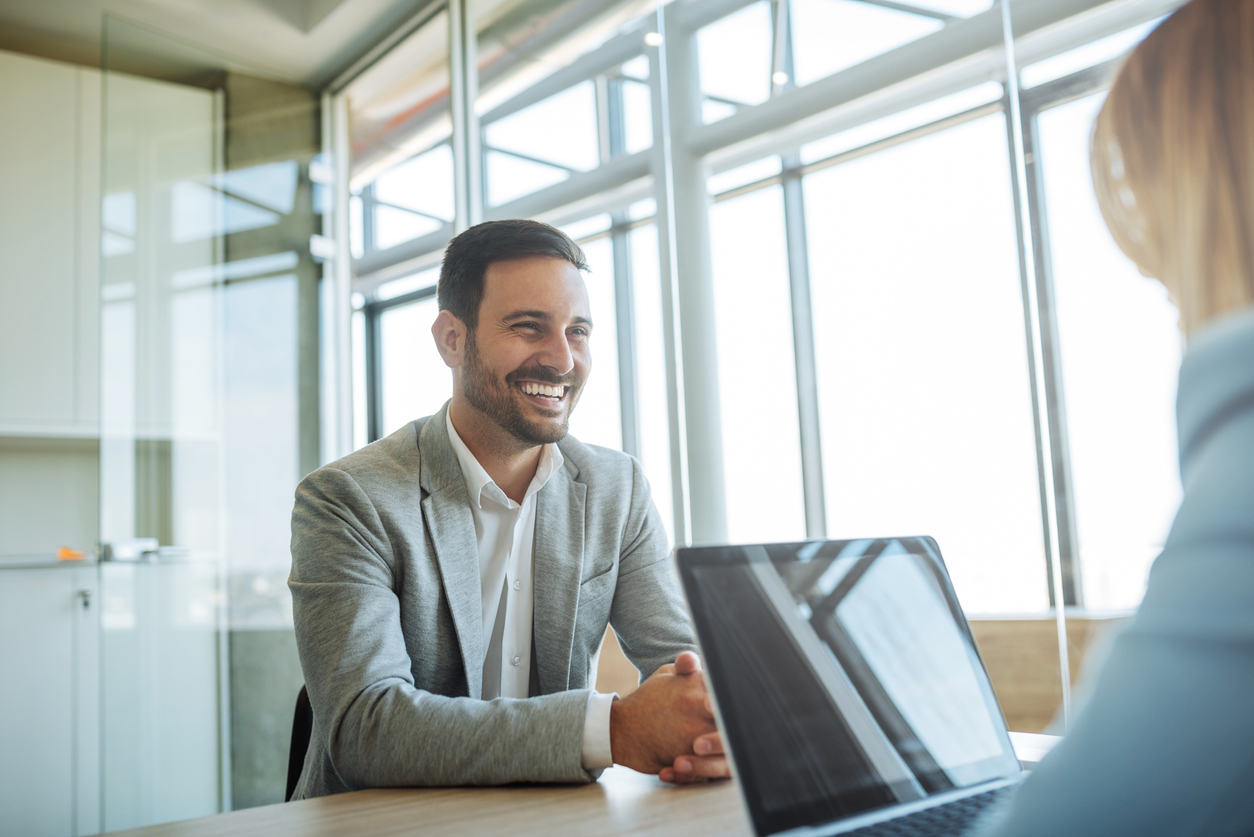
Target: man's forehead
[(538, 266), (541, 280)]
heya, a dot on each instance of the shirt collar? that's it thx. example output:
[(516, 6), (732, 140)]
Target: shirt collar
[(478, 480)]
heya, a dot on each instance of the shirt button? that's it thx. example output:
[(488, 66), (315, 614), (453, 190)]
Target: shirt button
[(517, 585), (517, 660)]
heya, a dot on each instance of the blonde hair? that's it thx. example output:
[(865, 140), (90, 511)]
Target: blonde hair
[(1173, 158)]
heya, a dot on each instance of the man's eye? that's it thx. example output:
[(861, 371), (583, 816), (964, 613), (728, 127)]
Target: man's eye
[(530, 326), (580, 332)]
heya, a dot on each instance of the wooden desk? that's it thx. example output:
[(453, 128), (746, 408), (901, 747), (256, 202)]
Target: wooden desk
[(622, 802)]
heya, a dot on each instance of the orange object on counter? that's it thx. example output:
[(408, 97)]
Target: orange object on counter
[(67, 554)]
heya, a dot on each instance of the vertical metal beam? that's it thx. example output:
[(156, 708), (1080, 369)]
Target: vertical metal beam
[(803, 346), (1032, 322), (624, 310), (1051, 364), (337, 284), (688, 289), (799, 290), (374, 373), (226, 743), (367, 220), (613, 135), (781, 47), (605, 131), (463, 91), (672, 347)]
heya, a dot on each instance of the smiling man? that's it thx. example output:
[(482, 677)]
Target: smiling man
[(451, 583)]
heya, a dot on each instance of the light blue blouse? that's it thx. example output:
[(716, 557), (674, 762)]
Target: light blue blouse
[(1165, 746)]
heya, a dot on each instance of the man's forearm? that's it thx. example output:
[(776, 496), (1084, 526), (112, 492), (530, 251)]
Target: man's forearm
[(399, 736)]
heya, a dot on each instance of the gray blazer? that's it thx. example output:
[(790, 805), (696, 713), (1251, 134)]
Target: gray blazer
[(385, 595), (1165, 745)]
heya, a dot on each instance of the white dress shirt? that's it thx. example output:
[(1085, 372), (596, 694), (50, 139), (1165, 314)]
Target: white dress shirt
[(505, 533)]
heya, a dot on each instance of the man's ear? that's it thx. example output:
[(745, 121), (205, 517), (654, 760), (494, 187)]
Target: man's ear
[(450, 338)]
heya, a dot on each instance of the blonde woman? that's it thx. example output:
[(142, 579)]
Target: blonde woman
[(1165, 746)]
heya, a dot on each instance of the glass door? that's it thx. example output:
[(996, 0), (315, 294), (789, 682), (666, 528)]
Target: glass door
[(162, 457), (210, 416)]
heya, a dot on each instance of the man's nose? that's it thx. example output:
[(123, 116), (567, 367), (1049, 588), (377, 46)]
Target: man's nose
[(556, 354)]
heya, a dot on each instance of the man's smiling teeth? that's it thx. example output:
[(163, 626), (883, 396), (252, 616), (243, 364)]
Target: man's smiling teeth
[(542, 389)]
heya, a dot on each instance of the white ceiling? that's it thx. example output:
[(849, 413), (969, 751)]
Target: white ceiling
[(305, 42)]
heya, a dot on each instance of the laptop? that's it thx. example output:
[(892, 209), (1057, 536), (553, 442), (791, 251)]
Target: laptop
[(848, 687)]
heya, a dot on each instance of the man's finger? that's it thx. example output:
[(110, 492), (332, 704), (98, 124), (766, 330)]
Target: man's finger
[(687, 663), (694, 768), (710, 744)]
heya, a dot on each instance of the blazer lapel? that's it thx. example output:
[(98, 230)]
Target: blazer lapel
[(557, 562), (446, 511)]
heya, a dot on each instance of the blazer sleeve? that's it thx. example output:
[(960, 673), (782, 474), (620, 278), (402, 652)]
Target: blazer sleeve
[(649, 615), (378, 729)]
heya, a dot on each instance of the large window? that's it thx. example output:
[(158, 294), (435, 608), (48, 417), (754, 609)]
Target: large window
[(757, 380), (924, 397), (825, 302), (1120, 351), (597, 418), (415, 381)]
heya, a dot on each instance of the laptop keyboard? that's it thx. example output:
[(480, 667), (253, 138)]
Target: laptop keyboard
[(953, 818)]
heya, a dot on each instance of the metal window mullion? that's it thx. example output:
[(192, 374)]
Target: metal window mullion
[(419, 295), (338, 278), (804, 363), (1032, 328), (468, 192), (417, 212), (374, 373), (781, 42), (1051, 363), (625, 321), (803, 348), (615, 118), (540, 161), (913, 9), (664, 190), (613, 141), (367, 221), (604, 131)]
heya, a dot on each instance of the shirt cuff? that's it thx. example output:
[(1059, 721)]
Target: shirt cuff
[(596, 732)]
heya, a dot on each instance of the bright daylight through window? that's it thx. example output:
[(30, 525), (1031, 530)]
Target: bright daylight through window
[(811, 315)]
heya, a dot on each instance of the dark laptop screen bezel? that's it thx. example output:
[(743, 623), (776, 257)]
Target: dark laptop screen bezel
[(769, 810)]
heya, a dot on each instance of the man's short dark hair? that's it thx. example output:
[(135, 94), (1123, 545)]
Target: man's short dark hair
[(468, 255)]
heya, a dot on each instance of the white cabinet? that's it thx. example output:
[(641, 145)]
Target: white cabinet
[(49, 245), (49, 701), (50, 129), (110, 702)]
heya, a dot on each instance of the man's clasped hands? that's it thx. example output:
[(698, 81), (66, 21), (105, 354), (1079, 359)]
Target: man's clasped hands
[(667, 726)]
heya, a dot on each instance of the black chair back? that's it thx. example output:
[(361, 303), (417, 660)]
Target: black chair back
[(302, 728)]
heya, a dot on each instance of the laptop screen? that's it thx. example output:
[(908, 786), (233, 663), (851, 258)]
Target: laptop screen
[(845, 676)]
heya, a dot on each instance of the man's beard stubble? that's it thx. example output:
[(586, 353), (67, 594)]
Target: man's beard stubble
[(495, 399)]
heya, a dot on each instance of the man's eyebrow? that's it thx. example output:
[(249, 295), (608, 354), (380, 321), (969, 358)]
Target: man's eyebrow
[(525, 315), (540, 315)]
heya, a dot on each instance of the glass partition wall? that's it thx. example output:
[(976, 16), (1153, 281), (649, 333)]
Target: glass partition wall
[(209, 394), (857, 278)]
